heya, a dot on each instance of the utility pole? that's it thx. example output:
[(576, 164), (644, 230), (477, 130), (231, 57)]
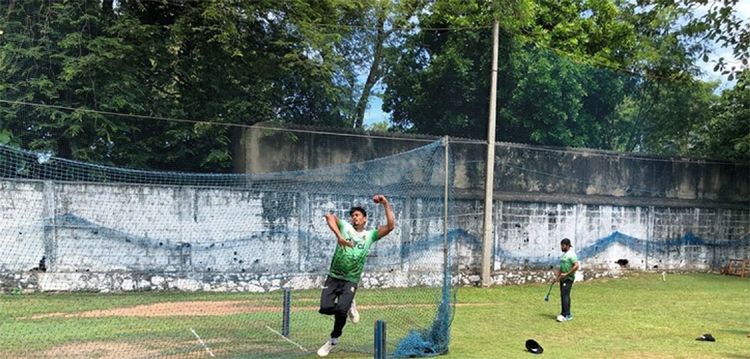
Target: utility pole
[(488, 239)]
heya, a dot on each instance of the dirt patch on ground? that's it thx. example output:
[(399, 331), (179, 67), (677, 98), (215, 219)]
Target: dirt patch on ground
[(181, 349), (107, 350), (195, 308), (208, 308)]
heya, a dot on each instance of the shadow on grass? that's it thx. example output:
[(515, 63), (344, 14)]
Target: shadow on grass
[(551, 317)]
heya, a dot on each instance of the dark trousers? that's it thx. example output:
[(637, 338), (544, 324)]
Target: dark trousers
[(565, 287), (343, 291)]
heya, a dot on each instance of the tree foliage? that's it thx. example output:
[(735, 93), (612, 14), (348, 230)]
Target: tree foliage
[(719, 22), (727, 133), (204, 62), (371, 28), (439, 80), (166, 85)]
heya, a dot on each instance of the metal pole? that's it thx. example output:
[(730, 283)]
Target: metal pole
[(445, 205), (380, 340), (286, 312), (487, 240)]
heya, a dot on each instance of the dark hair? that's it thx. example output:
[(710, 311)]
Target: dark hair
[(360, 209), (565, 241)]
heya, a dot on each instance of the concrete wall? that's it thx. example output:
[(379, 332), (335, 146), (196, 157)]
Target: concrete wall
[(114, 237), (656, 213), (126, 237), (522, 172), (609, 239)]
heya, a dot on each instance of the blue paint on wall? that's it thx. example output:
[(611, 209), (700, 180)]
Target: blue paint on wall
[(417, 248)]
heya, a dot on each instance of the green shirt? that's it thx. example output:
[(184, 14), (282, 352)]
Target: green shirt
[(566, 264), (347, 264)]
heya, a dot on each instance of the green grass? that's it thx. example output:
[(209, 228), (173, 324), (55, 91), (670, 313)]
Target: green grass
[(638, 316)]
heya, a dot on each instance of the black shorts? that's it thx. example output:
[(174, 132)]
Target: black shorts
[(334, 289)]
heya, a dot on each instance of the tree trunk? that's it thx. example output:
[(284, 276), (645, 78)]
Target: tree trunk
[(375, 72), (10, 6), (108, 7), (637, 132)]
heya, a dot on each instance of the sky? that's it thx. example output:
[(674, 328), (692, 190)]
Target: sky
[(375, 113), (743, 12)]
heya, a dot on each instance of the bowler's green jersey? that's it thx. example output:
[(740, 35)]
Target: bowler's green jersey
[(347, 264)]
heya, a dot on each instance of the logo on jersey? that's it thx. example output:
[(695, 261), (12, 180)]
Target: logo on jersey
[(358, 239)]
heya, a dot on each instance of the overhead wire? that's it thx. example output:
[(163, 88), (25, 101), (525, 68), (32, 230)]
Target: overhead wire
[(227, 124), (588, 60), (424, 138)]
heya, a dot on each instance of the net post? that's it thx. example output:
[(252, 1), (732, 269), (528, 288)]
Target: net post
[(445, 202), (380, 348), (285, 312)]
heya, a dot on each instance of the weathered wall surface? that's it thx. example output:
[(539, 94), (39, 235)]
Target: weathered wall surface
[(609, 238), (119, 237), (522, 172), (658, 214), (113, 237)]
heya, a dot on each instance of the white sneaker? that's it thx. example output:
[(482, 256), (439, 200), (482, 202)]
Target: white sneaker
[(326, 349), (353, 314), (561, 318)]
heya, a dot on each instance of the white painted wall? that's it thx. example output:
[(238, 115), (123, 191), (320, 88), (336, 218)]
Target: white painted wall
[(210, 234)]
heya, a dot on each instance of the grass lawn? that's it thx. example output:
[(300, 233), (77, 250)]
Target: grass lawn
[(637, 316)]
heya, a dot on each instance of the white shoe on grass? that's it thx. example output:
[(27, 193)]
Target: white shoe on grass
[(561, 318), (353, 314), (326, 349)]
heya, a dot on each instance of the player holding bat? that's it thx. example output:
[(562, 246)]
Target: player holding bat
[(566, 274)]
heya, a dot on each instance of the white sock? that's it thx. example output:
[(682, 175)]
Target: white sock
[(334, 341)]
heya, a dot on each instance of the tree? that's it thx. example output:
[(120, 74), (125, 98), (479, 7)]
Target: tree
[(558, 101), (676, 120), (367, 28), (438, 78), (104, 79), (47, 54), (721, 24), (663, 71), (378, 126), (236, 63), (439, 81), (727, 135)]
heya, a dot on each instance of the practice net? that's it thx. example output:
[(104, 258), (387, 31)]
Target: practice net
[(105, 262)]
